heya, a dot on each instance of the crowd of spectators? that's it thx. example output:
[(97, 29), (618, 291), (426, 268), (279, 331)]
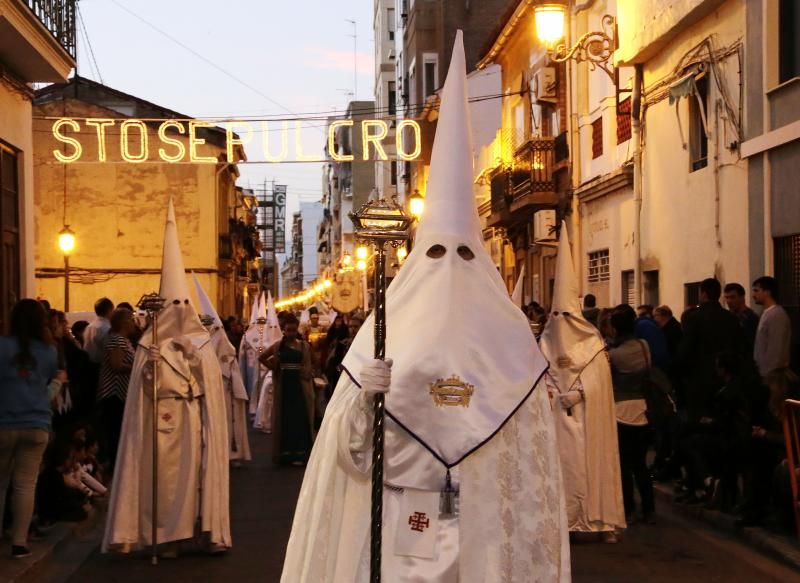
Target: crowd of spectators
[(61, 408), (727, 374)]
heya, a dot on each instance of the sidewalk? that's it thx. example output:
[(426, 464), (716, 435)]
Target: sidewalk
[(779, 547), (63, 533)]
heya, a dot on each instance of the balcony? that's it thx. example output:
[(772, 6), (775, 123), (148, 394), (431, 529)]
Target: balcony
[(38, 39), (58, 17), (526, 184)]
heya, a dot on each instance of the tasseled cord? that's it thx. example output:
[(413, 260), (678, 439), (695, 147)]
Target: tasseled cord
[(447, 501)]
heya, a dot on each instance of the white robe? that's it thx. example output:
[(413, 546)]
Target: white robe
[(192, 451), (235, 396), (263, 419), (587, 444), (254, 342), (509, 495)]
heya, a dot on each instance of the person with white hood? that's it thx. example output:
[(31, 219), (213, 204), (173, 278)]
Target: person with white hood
[(235, 393), (192, 443), (263, 418), (582, 401), (254, 342), (472, 489)]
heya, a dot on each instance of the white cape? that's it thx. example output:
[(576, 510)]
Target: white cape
[(193, 452), (235, 396), (509, 495)]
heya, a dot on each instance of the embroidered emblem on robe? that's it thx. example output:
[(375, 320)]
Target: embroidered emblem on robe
[(451, 392), (419, 521)]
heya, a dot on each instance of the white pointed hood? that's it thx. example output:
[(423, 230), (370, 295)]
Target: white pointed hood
[(516, 295), (206, 306), (451, 326), (257, 332), (254, 311), (567, 333), (178, 319), (273, 326)]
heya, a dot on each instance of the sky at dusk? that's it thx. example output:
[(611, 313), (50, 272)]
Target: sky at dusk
[(289, 56)]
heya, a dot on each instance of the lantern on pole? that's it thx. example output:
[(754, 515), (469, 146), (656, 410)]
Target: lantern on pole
[(378, 223)]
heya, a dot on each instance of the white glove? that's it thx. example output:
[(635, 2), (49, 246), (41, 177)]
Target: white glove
[(376, 377), (569, 399), (153, 353)]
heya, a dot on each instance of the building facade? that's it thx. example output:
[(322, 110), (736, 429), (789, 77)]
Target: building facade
[(424, 34), (346, 185), (38, 46), (117, 209), (771, 146)]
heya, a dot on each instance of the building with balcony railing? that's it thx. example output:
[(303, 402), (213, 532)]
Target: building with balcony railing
[(37, 44), (528, 166)]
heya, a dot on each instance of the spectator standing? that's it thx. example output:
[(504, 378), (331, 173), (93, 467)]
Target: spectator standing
[(115, 374), (670, 327), (748, 319), (772, 343), (95, 334), (630, 364), (29, 376), (590, 310), (707, 331), (647, 329)]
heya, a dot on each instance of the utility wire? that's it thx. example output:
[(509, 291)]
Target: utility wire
[(202, 58), (93, 59)]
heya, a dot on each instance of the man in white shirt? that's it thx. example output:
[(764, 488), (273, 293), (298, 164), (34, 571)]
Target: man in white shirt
[(94, 337), (773, 341)]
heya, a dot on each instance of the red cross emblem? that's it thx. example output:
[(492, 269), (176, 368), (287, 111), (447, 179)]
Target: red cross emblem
[(419, 521), (166, 417)]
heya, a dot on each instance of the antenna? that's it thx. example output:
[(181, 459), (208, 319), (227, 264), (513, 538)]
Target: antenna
[(355, 57)]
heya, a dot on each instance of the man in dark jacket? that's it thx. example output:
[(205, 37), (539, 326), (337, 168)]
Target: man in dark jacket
[(707, 331)]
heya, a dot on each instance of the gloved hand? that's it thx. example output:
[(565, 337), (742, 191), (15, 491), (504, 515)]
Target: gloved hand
[(153, 353), (376, 377), (569, 399)]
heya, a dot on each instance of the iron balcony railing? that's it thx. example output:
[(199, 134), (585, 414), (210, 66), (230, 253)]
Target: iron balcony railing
[(58, 17), (532, 170)]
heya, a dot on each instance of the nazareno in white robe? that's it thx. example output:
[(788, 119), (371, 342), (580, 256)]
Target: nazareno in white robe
[(511, 520), (235, 396), (192, 449), (587, 434), (254, 342)]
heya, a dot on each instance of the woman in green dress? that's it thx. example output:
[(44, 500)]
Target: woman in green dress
[(293, 394)]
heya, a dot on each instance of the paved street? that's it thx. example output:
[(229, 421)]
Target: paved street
[(263, 499)]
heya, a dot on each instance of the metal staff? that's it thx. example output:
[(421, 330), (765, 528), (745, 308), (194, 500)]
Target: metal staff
[(379, 222), (153, 304)]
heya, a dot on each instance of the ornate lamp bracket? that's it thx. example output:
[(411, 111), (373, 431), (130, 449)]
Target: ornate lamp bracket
[(595, 48)]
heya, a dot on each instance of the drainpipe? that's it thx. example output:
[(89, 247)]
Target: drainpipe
[(636, 134)]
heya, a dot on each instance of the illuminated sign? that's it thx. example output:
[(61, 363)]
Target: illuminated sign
[(135, 136)]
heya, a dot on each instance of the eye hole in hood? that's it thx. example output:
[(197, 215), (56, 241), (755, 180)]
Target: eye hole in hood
[(436, 251), (465, 253)]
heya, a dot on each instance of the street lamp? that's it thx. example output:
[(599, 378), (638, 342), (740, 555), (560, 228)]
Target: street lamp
[(379, 222), (66, 242), (416, 204), (595, 48)]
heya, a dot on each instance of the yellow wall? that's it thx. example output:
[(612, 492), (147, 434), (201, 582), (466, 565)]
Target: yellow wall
[(15, 131), (117, 211)]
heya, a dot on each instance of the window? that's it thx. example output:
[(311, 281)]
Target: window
[(390, 23), (628, 287), (431, 72), (787, 273), (598, 266), (394, 173), (691, 294), (789, 43), (597, 138), (518, 112), (650, 285), (624, 121), (9, 234), (392, 98), (698, 138)]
